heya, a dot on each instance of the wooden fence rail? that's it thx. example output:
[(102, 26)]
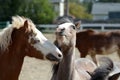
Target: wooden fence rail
[(96, 26), (4, 24)]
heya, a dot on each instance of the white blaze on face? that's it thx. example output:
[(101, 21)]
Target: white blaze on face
[(43, 45), (67, 32)]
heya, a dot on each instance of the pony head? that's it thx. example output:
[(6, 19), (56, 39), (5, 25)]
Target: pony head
[(26, 39), (66, 32)]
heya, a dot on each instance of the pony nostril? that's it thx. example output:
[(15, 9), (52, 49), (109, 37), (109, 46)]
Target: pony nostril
[(63, 29), (53, 57), (59, 55), (61, 33)]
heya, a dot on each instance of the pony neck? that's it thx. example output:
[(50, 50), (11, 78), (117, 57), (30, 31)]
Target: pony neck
[(66, 66), (13, 63)]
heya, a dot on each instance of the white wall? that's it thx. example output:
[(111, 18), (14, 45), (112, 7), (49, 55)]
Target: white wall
[(61, 9), (100, 17)]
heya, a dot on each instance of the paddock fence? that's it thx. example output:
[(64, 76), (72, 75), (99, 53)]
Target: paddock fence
[(50, 28), (96, 26), (4, 24)]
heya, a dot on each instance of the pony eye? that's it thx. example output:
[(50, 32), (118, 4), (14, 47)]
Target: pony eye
[(73, 27), (34, 41), (37, 41), (33, 34)]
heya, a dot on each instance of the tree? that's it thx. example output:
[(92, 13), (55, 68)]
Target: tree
[(85, 3), (40, 11), (8, 8), (79, 11)]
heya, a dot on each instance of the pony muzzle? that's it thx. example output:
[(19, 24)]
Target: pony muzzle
[(51, 57)]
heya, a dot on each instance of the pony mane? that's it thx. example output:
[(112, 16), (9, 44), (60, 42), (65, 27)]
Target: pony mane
[(5, 34), (18, 21), (62, 20)]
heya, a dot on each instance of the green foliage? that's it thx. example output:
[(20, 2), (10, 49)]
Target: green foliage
[(85, 3), (88, 6), (79, 11), (40, 11), (8, 8)]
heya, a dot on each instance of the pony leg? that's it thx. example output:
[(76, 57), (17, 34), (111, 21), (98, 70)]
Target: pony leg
[(93, 56), (92, 53), (83, 53)]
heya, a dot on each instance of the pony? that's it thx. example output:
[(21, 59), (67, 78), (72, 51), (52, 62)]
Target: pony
[(91, 42), (70, 68), (67, 68), (20, 39), (106, 70)]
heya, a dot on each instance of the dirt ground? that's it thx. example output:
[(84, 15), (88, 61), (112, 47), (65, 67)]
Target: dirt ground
[(35, 69)]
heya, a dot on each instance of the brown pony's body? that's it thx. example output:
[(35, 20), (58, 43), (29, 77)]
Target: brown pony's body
[(93, 42), (21, 39)]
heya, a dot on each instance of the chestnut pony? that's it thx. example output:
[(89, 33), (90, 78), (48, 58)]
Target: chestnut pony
[(21, 39), (75, 69), (90, 42)]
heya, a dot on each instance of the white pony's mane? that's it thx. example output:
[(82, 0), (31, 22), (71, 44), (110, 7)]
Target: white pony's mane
[(5, 34)]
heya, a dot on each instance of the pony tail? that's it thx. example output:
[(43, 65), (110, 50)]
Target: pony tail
[(102, 72)]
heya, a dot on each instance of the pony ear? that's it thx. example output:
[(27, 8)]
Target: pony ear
[(114, 77), (26, 24), (115, 74), (77, 24)]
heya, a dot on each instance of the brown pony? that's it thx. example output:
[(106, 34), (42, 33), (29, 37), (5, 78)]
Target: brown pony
[(70, 68), (94, 42), (21, 39)]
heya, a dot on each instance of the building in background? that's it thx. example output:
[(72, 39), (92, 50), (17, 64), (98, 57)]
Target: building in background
[(105, 11), (58, 6)]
